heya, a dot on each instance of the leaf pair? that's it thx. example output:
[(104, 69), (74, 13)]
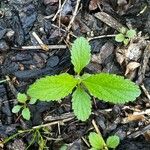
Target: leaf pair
[(97, 142), (110, 88), (22, 98), (125, 36)]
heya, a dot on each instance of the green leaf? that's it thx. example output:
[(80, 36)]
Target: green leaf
[(64, 147), (32, 101), (111, 88), (26, 113), (96, 141), (22, 98), (126, 41), (131, 33), (52, 87), (16, 109), (119, 37), (81, 104), (113, 141), (80, 54)]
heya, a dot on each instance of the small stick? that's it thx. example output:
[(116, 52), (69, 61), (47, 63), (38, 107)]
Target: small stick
[(59, 10), (74, 15), (97, 130), (96, 127), (85, 141), (49, 47), (145, 91), (101, 36), (43, 46), (13, 89), (53, 123)]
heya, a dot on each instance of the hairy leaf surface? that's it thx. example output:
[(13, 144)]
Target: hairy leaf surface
[(111, 88), (52, 87), (80, 54), (81, 104)]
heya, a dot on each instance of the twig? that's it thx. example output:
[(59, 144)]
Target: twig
[(49, 47), (145, 91), (53, 123), (42, 45), (13, 89), (74, 15), (59, 10), (101, 36), (97, 130)]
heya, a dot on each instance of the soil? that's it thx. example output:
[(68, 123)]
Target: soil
[(23, 59)]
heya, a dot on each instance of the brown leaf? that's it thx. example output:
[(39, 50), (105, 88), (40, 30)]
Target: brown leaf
[(131, 67)]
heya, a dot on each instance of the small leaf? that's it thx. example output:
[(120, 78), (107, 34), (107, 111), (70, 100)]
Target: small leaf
[(80, 54), (96, 141), (112, 88), (81, 104), (22, 98), (64, 147), (26, 113), (113, 141), (126, 41), (32, 101), (119, 37), (52, 87), (16, 109), (131, 33)]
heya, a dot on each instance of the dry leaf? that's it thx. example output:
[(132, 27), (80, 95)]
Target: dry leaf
[(131, 67)]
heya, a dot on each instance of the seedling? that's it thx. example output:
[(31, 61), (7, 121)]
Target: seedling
[(108, 87), (23, 107), (125, 35), (97, 142)]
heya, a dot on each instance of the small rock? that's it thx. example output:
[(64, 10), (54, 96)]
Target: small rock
[(3, 46)]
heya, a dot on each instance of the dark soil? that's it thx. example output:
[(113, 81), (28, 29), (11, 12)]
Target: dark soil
[(18, 20)]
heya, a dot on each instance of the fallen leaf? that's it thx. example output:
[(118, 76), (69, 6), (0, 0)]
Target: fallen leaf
[(131, 67)]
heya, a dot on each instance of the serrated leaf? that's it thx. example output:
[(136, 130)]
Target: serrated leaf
[(111, 88), (81, 104), (119, 37), (52, 87), (16, 109), (26, 113), (96, 141), (22, 98), (131, 33), (113, 141), (80, 54)]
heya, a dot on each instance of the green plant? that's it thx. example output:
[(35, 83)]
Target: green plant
[(97, 142), (104, 86), (22, 99), (125, 35)]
